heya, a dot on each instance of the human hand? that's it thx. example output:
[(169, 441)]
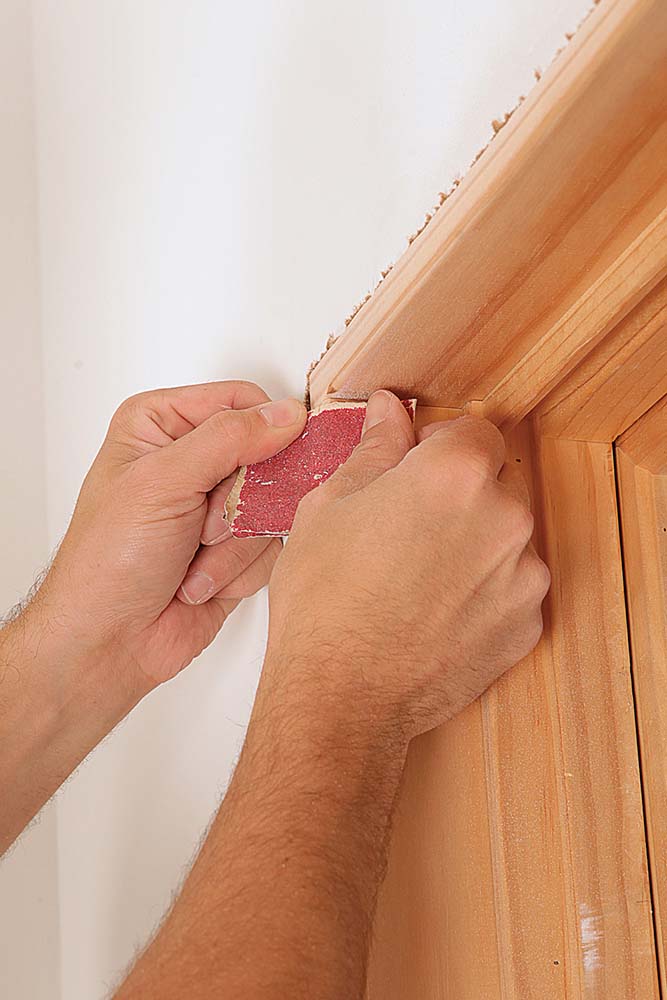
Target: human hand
[(409, 582), (131, 575)]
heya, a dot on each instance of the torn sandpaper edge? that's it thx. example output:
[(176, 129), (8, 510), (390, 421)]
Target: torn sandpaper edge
[(265, 495), (496, 125)]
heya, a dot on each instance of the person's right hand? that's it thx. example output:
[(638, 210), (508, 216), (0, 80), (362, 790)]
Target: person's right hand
[(409, 582)]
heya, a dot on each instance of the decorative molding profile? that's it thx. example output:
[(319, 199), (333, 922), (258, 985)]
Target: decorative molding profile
[(554, 235), (642, 490), (537, 296)]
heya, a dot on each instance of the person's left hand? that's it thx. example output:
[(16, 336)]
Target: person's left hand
[(148, 568)]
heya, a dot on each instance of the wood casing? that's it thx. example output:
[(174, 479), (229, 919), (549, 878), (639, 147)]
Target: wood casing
[(529, 855)]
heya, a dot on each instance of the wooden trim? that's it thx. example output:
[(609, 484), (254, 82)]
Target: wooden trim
[(588, 321), (642, 487), (646, 441), (431, 414), (553, 236), (618, 381), (518, 863)]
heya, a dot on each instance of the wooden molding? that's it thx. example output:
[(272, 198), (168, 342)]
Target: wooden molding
[(520, 272), (642, 490), (592, 317), (537, 296), (618, 381), (518, 865), (646, 441)]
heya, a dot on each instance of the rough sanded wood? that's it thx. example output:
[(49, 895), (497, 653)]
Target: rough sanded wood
[(540, 245), (642, 474), (518, 864)]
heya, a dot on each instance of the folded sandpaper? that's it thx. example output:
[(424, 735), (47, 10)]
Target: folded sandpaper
[(265, 495)]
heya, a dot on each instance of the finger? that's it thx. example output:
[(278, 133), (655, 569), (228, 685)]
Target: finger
[(231, 438), (193, 629), (216, 527), (215, 567), (473, 440), (256, 576), (386, 438), (154, 419), (513, 480), (425, 432)]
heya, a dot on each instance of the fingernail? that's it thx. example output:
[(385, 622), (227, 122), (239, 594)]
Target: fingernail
[(377, 409), (197, 587), (216, 528), (282, 412)]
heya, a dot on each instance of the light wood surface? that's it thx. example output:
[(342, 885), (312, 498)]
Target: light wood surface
[(518, 867), (535, 232), (518, 864), (622, 378), (627, 280), (645, 440), (642, 474), (432, 414)]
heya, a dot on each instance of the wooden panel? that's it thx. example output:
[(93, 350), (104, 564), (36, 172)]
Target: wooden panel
[(642, 475), (518, 866), (617, 382), (431, 414), (583, 326), (645, 440), (531, 243), (435, 931)]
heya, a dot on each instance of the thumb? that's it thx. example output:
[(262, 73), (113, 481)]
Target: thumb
[(387, 437), (230, 438)]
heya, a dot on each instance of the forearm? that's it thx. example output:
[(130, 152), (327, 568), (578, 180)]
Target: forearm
[(58, 698), (280, 900)]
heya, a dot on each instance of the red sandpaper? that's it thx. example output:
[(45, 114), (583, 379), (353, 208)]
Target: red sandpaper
[(265, 496)]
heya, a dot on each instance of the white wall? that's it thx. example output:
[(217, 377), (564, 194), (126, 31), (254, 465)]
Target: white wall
[(28, 876), (218, 184)]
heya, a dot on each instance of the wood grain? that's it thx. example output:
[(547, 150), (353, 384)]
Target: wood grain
[(432, 414), (622, 378), (518, 866), (534, 234), (645, 440), (624, 284), (642, 482)]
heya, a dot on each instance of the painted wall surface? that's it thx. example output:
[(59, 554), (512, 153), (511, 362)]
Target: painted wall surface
[(29, 946), (217, 185)]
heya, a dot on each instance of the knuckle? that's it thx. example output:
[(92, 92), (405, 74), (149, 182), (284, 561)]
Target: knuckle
[(234, 426), (494, 437), (533, 632), (243, 383), (537, 580), (374, 452), (543, 582), (310, 503), (128, 409), (235, 561), (476, 435), (522, 522), (463, 468)]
